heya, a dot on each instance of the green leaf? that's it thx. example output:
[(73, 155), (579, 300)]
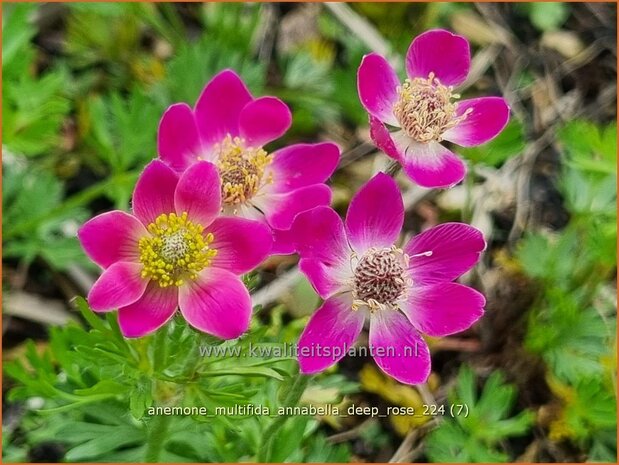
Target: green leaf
[(92, 319), (244, 371), (510, 142), (289, 439), (198, 62), (31, 192), (101, 446), (578, 341), (33, 112), (548, 16), (17, 33), (141, 397), (590, 147), (123, 130), (478, 436), (81, 431), (105, 386)]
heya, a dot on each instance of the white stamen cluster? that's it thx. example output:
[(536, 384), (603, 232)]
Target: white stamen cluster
[(380, 278)]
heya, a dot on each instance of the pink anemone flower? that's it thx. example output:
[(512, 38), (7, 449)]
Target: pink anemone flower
[(174, 251), (423, 111), (230, 128), (360, 272)]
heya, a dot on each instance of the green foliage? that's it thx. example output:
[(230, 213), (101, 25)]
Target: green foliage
[(97, 388), (123, 132), (477, 437), (346, 97), (234, 24), (228, 41), (572, 326), (28, 192), (308, 89), (590, 147), (570, 334), (33, 111), (509, 143), (546, 16), (33, 107), (591, 416), (17, 32), (89, 41), (198, 62), (103, 60)]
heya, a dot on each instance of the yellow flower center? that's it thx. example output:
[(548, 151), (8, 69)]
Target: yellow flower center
[(425, 109), (242, 170), (176, 250)]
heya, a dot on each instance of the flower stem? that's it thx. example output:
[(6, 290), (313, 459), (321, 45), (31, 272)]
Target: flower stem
[(158, 425), (157, 430), (159, 352), (393, 168), (292, 399)]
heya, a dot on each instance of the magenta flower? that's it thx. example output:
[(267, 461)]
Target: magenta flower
[(229, 128), (360, 272), (423, 111), (174, 252)]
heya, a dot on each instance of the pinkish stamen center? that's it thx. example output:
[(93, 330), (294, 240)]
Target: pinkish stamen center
[(425, 109), (242, 170), (380, 278)]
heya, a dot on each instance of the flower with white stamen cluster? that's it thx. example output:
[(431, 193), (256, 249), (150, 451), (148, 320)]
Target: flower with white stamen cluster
[(362, 274)]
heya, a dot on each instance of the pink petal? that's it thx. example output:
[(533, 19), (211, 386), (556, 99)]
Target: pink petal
[(154, 192), (488, 118), (241, 244), (151, 312), (283, 242), (219, 107), (446, 55), (199, 193), (178, 141), (382, 138), (320, 235), (377, 84), (217, 303), (320, 241), (302, 165), (329, 334), (121, 284), (432, 165), (397, 347), (442, 309), (326, 279), (444, 252), (281, 209), (264, 120), (375, 215), (112, 237)]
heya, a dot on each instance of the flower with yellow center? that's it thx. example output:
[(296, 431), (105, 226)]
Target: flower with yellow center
[(176, 250), (230, 128), (410, 120), (242, 170), (425, 109)]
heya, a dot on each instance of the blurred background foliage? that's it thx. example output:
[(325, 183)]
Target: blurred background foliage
[(84, 86)]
